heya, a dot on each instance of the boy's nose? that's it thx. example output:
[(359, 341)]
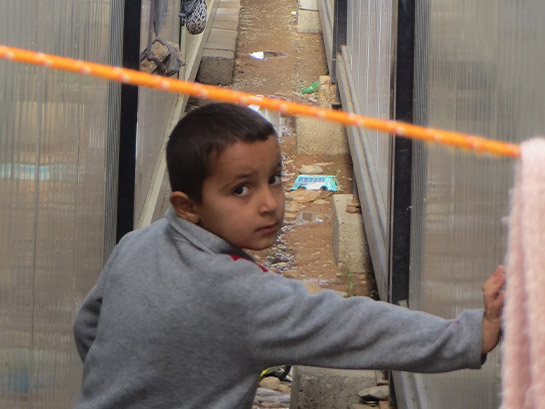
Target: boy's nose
[(269, 201)]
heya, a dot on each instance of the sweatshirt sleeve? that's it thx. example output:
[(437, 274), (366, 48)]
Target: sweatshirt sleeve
[(289, 325), (86, 322)]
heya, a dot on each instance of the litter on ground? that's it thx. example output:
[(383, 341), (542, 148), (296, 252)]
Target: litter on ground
[(316, 182)]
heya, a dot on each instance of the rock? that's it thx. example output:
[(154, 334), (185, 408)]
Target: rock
[(353, 207), (374, 393), (265, 392), (284, 388), (282, 398), (311, 170), (290, 274), (312, 287), (168, 53), (274, 405), (270, 382), (303, 195), (293, 207)]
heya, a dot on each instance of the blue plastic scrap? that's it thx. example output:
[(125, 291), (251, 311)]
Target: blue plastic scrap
[(316, 182)]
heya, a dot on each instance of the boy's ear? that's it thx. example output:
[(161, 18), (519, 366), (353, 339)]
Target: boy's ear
[(184, 207)]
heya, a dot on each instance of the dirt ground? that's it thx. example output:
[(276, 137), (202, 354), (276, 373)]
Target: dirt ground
[(303, 251)]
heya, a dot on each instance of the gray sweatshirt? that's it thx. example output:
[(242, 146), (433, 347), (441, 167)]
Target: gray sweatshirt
[(174, 321)]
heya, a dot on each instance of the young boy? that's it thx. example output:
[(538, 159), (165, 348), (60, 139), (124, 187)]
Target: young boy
[(181, 317)]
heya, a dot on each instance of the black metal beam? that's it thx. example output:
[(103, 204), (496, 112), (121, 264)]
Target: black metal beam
[(401, 206), (128, 120), (339, 34)]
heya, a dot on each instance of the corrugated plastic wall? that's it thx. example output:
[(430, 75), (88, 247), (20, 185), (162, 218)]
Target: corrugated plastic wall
[(478, 70), (58, 133), (155, 108), (369, 61)]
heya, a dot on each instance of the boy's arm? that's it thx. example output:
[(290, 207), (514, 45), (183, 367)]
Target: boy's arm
[(290, 325), (493, 297)]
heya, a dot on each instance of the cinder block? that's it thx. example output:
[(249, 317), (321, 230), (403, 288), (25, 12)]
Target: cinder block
[(323, 388), (221, 39), (227, 19), (308, 5), (316, 137), (327, 93), (218, 60), (229, 4), (216, 67), (349, 239), (308, 21)]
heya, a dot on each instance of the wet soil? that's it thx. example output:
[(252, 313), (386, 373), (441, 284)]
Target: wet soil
[(304, 250)]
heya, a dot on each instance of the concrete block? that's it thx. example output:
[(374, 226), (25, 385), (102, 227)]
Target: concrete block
[(216, 67), (349, 239), (221, 39), (316, 137), (218, 60), (308, 5), (227, 13), (227, 21), (323, 388), (229, 4), (308, 21), (327, 93)]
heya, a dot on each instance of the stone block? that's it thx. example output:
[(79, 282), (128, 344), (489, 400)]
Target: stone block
[(308, 5), (317, 137), (228, 4), (216, 67), (222, 39), (308, 21), (349, 239), (323, 388), (327, 93)]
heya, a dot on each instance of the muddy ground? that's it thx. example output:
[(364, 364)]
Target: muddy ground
[(303, 251)]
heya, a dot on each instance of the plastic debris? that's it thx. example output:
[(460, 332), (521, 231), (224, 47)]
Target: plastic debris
[(307, 217), (311, 88), (263, 55), (258, 55), (316, 182)]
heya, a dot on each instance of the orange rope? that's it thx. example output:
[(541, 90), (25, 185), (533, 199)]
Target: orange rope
[(474, 143)]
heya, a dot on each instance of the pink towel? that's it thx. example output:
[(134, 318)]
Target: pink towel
[(523, 347)]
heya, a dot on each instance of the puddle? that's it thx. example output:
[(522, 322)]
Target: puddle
[(263, 55)]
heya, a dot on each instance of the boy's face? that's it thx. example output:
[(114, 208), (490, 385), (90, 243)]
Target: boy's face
[(243, 198)]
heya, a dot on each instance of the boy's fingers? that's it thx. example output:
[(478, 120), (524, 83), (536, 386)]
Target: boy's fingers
[(493, 285), (493, 295)]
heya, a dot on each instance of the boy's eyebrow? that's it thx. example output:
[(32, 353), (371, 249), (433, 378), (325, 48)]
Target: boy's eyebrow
[(279, 165)]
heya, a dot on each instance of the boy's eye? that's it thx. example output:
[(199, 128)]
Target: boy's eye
[(241, 190), (275, 180)]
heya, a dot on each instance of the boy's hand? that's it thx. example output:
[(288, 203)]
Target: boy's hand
[(493, 297)]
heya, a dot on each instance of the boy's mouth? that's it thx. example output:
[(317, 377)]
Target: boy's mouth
[(268, 229)]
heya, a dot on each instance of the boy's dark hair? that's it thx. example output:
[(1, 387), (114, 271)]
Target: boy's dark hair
[(206, 130)]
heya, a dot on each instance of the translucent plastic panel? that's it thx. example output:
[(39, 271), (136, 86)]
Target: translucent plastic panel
[(155, 108), (56, 133), (369, 38), (479, 70)]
